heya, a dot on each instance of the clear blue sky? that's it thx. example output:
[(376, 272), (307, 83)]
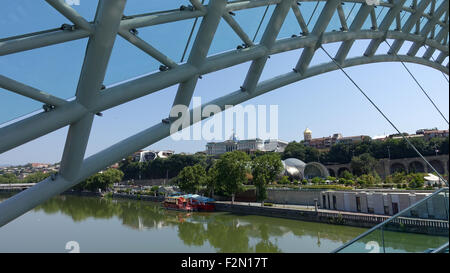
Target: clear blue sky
[(326, 104)]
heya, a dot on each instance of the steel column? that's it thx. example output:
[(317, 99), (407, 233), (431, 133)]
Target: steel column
[(384, 26), (428, 27), (200, 49), (319, 29), (409, 25), (99, 48), (356, 25), (268, 39)]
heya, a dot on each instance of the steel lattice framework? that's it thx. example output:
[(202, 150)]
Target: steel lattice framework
[(92, 98)]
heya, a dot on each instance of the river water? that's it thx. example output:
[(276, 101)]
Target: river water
[(118, 225)]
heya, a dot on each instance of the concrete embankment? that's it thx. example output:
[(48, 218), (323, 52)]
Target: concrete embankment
[(424, 226)]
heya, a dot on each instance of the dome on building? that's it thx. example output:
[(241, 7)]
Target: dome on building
[(307, 134), (293, 167)]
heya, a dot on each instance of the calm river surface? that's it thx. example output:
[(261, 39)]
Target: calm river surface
[(118, 225)]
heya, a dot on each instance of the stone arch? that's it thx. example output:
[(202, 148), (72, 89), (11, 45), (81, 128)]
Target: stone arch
[(331, 172), (438, 165), (315, 169), (416, 167), (397, 167)]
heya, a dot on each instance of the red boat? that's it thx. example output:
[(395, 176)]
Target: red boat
[(177, 203), (189, 202), (203, 204)]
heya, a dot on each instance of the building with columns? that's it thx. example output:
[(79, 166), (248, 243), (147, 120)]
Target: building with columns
[(247, 145)]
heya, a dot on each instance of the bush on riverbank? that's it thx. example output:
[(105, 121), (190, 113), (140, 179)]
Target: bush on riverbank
[(104, 181)]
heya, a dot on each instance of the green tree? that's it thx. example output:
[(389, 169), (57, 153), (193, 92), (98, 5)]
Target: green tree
[(363, 164), (212, 184), (316, 180), (8, 178), (104, 180), (232, 169), (284, 180), (36, 177), (300, 151), (192, 178), (264, 170), (368, 180), (346, 175)]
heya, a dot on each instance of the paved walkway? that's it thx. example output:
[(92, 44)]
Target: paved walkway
[(300, 207)]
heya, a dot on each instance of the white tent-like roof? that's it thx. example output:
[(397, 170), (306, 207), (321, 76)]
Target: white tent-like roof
[(432, 178)]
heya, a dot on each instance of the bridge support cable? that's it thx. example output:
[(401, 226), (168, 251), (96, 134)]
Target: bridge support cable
[(260, 23), (417, 82), (191, 33), (350, 12), (382, 113), (312, 14)]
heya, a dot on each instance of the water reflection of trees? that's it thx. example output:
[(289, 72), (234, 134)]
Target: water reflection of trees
[(223, 231)]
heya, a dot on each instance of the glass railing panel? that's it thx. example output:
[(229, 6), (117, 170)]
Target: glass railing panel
[(371, 243), (421, 228)]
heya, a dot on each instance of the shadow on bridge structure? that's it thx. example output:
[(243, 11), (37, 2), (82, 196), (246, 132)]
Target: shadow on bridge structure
[(417, 24)]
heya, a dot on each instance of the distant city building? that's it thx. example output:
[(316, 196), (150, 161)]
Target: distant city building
[(39, 165), (325, 143), (145, 156), (248, 145), (427, 134), (352, 139)]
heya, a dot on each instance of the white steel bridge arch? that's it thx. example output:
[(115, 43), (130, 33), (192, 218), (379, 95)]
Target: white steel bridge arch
[(92, 98)]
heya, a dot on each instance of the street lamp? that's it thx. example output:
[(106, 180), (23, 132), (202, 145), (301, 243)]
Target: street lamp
[(389, 152), (435, 149)]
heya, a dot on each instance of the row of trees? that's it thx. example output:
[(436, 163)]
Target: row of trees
[(343, 153), (228, 174), (103, 180), (9, 178), (160, 167)]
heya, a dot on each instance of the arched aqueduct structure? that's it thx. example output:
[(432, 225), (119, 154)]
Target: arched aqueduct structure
[(407, 165), (414, 23)]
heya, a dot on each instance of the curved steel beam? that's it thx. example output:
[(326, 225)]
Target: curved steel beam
[(115, 95), (20, 203)]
